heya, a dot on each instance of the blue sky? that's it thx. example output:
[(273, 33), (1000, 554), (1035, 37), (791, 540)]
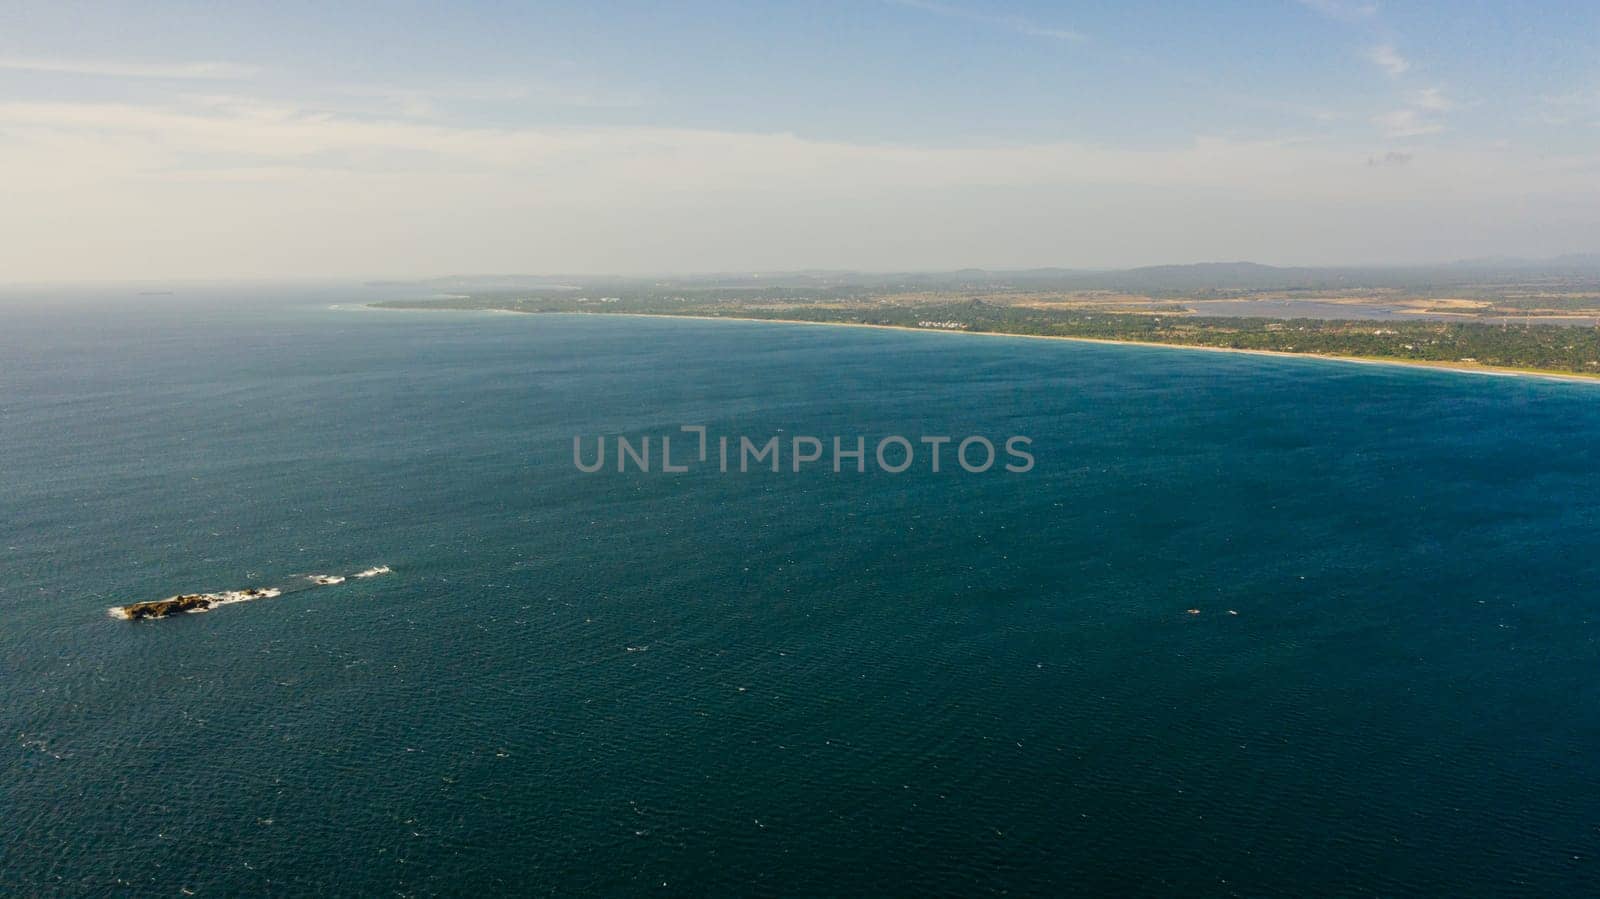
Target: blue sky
[(187, 140)]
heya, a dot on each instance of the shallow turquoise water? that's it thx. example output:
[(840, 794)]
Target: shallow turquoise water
[(840, 683)]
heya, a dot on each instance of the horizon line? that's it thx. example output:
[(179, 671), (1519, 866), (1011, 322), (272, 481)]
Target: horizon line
[(381, 280)]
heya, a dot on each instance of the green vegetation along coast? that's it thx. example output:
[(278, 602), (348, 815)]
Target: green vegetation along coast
[(1521, 346)]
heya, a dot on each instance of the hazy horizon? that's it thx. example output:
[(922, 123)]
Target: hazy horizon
[(396, 142), (1587, 260)]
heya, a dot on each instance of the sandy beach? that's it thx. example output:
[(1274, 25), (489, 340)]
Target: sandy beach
[(1456, 367)]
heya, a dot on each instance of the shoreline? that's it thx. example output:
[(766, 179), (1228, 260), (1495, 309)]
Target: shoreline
[(1463, 368)]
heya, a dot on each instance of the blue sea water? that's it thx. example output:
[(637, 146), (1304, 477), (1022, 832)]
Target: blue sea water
[(759, 683)]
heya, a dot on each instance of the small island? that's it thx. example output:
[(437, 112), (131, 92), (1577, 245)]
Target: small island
[(189, 602), (193, 603)]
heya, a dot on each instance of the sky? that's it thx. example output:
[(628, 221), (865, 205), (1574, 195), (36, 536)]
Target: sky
[(289, 139)]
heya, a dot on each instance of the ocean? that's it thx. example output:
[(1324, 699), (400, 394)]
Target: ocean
[(759, 683)]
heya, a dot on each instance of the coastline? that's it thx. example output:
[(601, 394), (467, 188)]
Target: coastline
[(1464, 368)]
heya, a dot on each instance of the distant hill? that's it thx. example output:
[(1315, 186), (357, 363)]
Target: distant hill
[(484, 282), (1219, 276)]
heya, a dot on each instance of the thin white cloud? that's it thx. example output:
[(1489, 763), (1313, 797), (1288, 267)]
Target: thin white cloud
[(98, 142), (113, 69), (1432, 99), (1423, 114), (1387, 58), (421, 102), (1391, 159), (235, 187), (1029, 28), (1015, 23), (1407, 123), (1574, 108), (1342, 11)]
